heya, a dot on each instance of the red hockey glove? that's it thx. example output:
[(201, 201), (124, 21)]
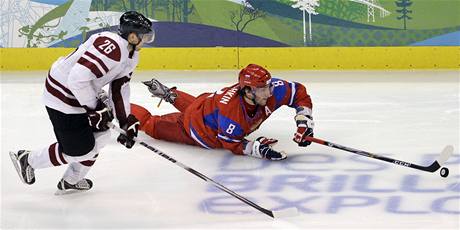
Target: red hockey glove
[(99, 117), (131, 128), (305, 127)]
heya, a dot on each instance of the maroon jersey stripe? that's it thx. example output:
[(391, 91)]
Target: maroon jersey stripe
[(91, 66), (98, 60), (54, 81), (52, 154), (61, 96), (87, 163)]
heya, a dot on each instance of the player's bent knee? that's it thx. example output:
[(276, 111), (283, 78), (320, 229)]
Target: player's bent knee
[(89, 156), (89, 151)]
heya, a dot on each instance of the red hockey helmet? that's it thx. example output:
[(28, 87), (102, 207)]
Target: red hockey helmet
[(254, 76)]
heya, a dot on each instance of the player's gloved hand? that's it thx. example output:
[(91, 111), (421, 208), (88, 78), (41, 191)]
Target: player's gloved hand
[(99, 116), (305, 127), (262, 148), (267, 141), (131, 128)]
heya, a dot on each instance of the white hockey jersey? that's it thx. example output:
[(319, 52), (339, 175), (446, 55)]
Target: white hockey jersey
[(75, 81)]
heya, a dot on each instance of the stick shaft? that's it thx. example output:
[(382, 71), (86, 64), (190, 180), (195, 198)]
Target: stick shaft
[(431, 168), (209, 180), (198, 174)]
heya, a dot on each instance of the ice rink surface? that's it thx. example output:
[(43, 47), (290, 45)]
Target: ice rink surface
[(405, 115)]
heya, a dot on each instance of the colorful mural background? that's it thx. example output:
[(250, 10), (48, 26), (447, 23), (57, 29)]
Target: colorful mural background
[(236, 23)]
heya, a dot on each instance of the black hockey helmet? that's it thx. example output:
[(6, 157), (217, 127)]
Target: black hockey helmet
[(133, 21)]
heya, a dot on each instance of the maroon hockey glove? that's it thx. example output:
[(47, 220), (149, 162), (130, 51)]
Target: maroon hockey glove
[(305, 126), (99, 117), (131, 128)]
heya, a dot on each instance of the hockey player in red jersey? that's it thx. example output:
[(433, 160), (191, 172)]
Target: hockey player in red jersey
[(223, 119), (78, 117)]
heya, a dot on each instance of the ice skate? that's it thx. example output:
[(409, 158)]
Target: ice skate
[(20, 162), (159, 90), (65, 187)]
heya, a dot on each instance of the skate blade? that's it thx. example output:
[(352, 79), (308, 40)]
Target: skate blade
[(68, 192), (15, 160)]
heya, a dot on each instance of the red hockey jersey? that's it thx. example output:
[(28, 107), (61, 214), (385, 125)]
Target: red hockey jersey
[(219, 120)]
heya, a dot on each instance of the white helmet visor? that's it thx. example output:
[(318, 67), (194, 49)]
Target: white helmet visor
[(147, 38)]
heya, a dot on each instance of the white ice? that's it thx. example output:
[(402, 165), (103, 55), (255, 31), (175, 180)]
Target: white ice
[(407, 115)]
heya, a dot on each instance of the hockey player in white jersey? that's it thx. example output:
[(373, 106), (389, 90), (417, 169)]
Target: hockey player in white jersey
[(78, 117)]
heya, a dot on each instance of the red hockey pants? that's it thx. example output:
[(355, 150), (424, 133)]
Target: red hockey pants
[(168, 127)]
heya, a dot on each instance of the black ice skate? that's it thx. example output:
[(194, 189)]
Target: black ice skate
[(65, 187), (21, 163), (159, 90)]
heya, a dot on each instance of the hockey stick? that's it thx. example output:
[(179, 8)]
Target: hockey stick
[(442, 158), (274, 214)]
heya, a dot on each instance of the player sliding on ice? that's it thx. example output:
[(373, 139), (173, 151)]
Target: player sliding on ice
[(79, 118), (223, 119)]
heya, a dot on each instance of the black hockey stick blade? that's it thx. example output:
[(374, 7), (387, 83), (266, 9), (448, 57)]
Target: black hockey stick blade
[(442, 158)]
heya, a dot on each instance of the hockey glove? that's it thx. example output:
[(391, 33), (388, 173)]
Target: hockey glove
[(267, 141), (131, 128), (262, 148), (99, 117), (305, 127)]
